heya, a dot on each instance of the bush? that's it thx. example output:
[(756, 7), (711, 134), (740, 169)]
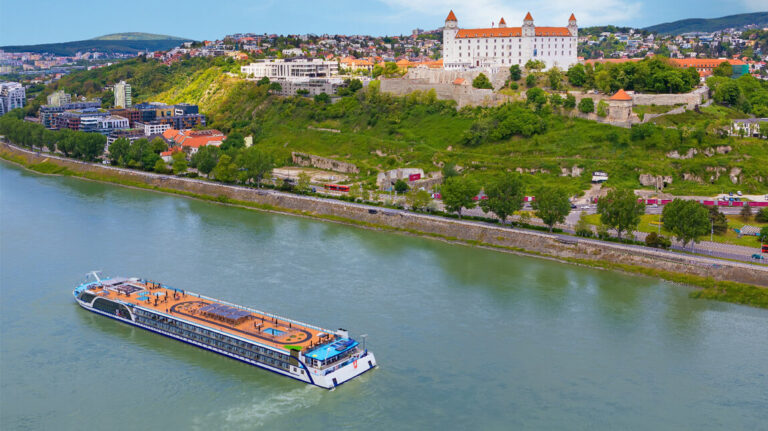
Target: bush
[(530, 80), (587, 105), (657, 241), (482, 82), (762, 215)]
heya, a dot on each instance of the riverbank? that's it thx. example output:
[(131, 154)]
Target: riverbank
[(722, 280)]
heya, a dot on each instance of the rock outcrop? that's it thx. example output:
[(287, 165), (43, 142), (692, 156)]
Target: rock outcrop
[(657, 181)]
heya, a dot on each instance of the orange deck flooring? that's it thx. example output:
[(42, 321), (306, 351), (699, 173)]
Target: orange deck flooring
[(186, 306)]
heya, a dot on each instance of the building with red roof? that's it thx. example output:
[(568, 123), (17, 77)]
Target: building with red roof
[(501, 46), (190, 141)]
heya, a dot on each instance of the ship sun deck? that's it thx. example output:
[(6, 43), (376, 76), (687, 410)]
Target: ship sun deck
[(241, 322)]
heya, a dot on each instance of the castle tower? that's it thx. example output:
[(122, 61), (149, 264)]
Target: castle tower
[(528, 28), (572, 27), (502, 23), (620, 106), (450, 51)]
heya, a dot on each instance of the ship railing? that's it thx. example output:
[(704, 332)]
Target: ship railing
[(329, 368), (265, 314)]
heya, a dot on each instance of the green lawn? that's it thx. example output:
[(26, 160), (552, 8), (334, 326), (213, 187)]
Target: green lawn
[(650, 223)]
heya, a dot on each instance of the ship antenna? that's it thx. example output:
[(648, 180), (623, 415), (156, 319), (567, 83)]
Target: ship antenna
[(95, 275)]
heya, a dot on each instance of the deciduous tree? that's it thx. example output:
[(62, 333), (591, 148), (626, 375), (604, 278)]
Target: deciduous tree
[(687, 219), (458, 193), (551, 205), (620, 210), (505, 196)]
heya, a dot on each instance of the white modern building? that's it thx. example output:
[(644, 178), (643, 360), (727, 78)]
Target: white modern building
[(749, 127), (12, 96), (501, 46), (291, 68), (59, 98), (122, 91), (154, 128)]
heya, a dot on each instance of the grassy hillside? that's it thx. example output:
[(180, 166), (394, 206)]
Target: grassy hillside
[(137, 36), (380, 132), (709, 25)]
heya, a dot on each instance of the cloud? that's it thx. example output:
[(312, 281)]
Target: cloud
[(480, 13)]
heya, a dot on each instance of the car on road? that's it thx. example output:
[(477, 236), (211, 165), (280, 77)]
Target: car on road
[(758, 256)]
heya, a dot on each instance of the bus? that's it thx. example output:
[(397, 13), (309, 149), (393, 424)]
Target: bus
[(337, 187)]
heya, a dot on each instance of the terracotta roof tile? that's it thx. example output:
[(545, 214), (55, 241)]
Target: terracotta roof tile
[(621, 95), (528, 17), (451, 16)]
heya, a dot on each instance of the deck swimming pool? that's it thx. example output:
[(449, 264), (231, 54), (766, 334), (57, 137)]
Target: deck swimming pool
[(275, 332)]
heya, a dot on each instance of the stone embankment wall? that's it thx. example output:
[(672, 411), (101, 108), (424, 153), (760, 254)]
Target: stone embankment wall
[(464, 94), (523, 240), (302, 159)]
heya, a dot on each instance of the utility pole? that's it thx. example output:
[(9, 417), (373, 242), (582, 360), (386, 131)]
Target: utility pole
[(712, 232)]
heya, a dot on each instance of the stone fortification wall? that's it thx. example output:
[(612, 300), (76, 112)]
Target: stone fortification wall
[(302, 159), (530, 241), (464, 95)]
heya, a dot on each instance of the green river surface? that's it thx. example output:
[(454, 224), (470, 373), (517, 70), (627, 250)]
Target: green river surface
[(465, 338)]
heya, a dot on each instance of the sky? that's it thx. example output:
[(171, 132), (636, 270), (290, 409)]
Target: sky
[(24, 22)]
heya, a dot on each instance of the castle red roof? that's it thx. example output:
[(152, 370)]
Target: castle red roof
[(572, 18), (528, 17), (502, 21), (621, 95), (451, 16), (510, 32)]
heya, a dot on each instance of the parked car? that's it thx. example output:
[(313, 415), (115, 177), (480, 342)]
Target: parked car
[(758, 256), (738, 192)]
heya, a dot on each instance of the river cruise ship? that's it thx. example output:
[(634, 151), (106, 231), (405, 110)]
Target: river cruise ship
[(313, 355)]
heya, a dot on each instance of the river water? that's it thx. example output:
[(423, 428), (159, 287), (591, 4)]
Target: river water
[(465, 338)]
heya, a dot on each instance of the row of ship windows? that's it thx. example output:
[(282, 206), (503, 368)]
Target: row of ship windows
[(211, 334), (174, 329)]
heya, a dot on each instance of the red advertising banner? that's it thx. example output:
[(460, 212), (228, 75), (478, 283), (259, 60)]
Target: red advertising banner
[(414, 177)]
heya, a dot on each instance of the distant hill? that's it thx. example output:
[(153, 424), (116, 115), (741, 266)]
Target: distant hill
[(125, 43), (137, 36), (710, 25)]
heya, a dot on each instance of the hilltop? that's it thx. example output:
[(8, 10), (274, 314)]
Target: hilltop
[(137, 36), (125, 43), (710, 25)]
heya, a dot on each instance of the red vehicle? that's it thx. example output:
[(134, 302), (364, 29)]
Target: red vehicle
[(765, 248), (337, 187)]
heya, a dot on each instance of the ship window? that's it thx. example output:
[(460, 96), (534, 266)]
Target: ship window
[(87, 297)]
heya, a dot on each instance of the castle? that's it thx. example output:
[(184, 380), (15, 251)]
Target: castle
[(502, 46)]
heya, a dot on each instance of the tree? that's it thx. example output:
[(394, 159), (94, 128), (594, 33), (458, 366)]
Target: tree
[(322, 98), (225, 170), (602, 108), (481, 81), (275, 87), (555, 78), (746, 212), (577, 76), (160, 167), (515, 73), (179, 162), (254, 164), (570, 101), (551, 205), (401, 186), (505, 196), (418, 199), (263, 81), (158, 145), (458, 193), (723, 69), (620, 210), (717, 221), (763, 235), (303, 184), (534, 66), (587, 105), (118, 151), (391, 69), (583, 227), (233, 140), (206, 159), (530, 80), (537, 97), (657, 241), (687, 219), (449, 170), (762, 215)]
